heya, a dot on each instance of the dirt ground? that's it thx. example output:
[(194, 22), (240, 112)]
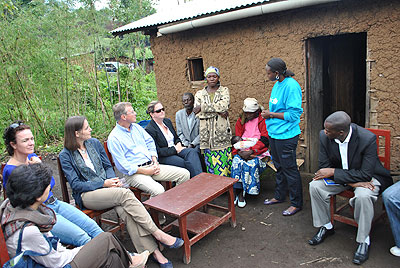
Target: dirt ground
[(265, 238)]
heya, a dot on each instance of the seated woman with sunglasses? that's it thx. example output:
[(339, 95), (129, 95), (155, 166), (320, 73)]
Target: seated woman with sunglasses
[(73, 227), (95, 186), (27, 188), (169, 147)]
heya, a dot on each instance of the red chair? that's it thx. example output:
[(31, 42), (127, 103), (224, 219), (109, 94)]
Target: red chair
[(385, 159), (94, 214), (138, 193), (4, 257)]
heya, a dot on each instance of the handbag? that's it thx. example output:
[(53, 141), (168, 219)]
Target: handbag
[(23, 259)]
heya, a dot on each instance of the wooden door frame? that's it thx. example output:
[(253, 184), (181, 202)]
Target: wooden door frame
[(314, 99)]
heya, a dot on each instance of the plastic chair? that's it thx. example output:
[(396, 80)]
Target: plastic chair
[(94, 214), (385, 159), (144, 123)]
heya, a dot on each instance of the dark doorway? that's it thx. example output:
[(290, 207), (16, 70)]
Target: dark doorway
[(336, 74)]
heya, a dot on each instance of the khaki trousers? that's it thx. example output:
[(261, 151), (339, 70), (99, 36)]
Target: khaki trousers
[(104, 250), (150, 185), (362, 202), (138, 222)]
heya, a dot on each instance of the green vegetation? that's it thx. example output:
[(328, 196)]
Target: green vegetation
[(49, 51)]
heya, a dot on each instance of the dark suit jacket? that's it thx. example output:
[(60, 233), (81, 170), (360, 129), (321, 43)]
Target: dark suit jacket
[(362, 157), (161, 143)]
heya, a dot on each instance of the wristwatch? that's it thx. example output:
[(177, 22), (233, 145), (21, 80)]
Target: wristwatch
[(271, 116)]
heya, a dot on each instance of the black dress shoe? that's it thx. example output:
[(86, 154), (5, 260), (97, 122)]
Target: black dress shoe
[(320, 236), (361, 254)]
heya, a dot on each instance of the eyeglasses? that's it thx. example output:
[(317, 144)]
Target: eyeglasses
[(15, 125), (159, 110)]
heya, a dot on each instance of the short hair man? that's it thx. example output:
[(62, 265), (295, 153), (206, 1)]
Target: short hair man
[(348, 155), (187, 123), (135, 155)]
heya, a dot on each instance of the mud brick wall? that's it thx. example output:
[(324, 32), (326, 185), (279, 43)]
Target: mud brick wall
[(241, 49)]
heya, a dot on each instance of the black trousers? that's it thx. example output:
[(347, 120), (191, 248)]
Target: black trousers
[(283, 154)]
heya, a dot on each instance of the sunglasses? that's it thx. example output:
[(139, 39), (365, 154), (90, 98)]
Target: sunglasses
[(159, 110), (15, 125)]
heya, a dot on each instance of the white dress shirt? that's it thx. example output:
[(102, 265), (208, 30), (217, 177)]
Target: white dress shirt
[(343, 148)]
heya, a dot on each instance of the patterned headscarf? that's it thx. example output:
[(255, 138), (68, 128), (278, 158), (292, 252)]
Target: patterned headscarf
[(211, 69)]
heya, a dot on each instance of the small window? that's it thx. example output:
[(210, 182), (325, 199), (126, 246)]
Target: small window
[(196, 69)]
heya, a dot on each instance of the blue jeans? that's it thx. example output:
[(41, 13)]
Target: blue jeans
[(283, 154), (188, 158), (391, 198), (73, 227)]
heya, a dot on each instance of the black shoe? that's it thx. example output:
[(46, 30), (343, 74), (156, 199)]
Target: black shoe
[(320, 236), (361, 254)]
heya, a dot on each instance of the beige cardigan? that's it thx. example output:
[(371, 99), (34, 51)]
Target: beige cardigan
[(215, 131)]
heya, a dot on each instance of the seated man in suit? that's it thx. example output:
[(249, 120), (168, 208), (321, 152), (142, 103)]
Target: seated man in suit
[(135, 155), (187, 124), (391, 198), (348, 155)]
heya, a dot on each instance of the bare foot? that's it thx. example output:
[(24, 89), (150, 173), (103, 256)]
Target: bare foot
[(139, 260)]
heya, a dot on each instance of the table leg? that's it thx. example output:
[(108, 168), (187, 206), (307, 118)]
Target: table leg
[(185, 237), (154, 216), (231, 207)]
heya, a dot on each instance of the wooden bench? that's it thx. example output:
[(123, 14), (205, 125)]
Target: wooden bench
[(385, 159), (94, 214)]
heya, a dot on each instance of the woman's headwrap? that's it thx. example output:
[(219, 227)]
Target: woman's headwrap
[(278, 65), (211, 69)]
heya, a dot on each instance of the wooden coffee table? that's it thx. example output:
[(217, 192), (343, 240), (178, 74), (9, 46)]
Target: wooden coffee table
[(184, 202)]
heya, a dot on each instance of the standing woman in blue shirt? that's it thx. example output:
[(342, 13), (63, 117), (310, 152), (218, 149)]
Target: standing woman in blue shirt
[(282, 121)]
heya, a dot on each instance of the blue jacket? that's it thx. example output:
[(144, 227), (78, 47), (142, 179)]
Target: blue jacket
[(285, 98), (77, 181)]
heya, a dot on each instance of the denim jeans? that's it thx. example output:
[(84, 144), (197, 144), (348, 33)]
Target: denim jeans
[(391, 198), (73, 227), (283, 154)]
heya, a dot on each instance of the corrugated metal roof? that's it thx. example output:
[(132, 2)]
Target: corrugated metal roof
[(186, 11)]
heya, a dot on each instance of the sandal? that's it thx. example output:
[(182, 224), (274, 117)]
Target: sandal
[(287, 212), (272, 201)]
